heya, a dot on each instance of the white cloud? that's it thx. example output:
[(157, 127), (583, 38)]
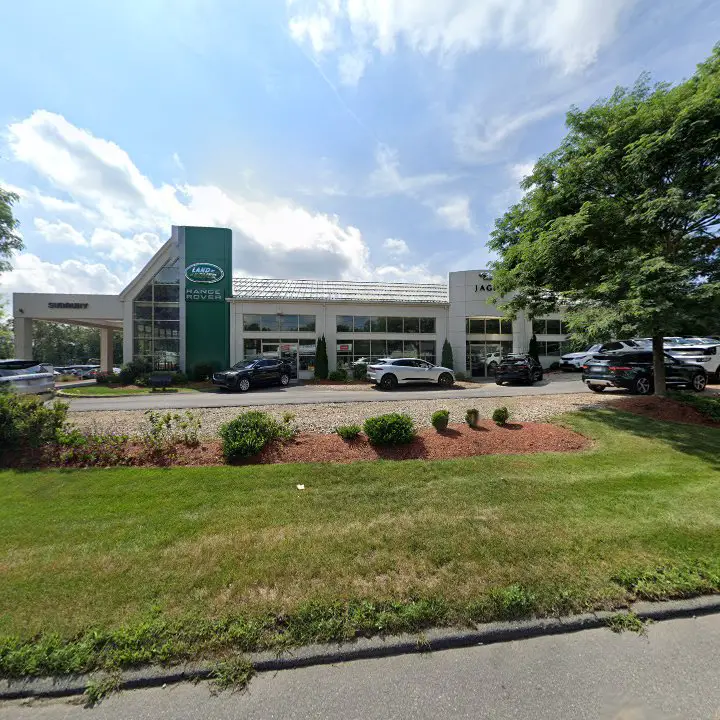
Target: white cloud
[(387, 179), (126, 216), (59, 232), (569, 34), (519, 171), (31, 274), (405, 273), (351, 67), (396, 246), (455, 213)]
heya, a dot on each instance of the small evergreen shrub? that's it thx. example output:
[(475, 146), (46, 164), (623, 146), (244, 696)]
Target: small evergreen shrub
[(130, 372), (359, 371), (440, 419), (88, 450), (471, 417), (321, 359), (446, 358), (500, 416), (390, 429), (179, 378), (348, 432), (202, 372), (25, 421), (250, 432), (107, 378), (338, 375)]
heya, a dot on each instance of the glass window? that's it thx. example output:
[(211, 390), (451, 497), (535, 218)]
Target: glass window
[(411, 348), (538, 327), (378, 348), (411, 325), (146, 294), (166, 328), (362, 323), (378, 324), (361, 348), (143, 311), (288, 323), (251, 348), (142, 347), (427, 350), (506, 327), (252, 323), (394, 324), (306, 323), (167, 312), (506, 347), (492, 327), (553, 348), (167, 293), (564, 329), (553, 327), (394, 348), (344, 323), (268, 322), (476, 326), (427, 325)]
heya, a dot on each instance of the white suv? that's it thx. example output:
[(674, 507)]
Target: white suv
[(706, 354), (388, 373), (575, 361)]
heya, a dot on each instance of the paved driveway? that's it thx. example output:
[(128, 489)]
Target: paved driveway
[(313, 394)]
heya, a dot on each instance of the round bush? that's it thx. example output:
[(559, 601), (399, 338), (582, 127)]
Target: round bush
[(338, 375), (390, 429), (348, 432), (359, 371), (248, 434), (440, 419), (471, 417), (500, 416)]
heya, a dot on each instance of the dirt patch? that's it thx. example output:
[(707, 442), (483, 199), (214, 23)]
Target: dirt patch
[(456, 441), (665, 409)]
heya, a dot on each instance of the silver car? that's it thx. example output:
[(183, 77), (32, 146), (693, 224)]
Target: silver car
[(388, 373), (27, 377)]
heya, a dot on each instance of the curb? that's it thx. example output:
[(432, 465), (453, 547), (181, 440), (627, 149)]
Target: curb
[(367, 648)]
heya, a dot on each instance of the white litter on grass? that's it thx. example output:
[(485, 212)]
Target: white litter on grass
[(300, 487)]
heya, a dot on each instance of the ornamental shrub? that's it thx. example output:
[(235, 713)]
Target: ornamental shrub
[(359, 371), (88, 450), (202, 372), (25, 421), (500, 416), (471, 417), (338, 375), (348, 432), (447, 355), (390, 429), (130, 372), (250, 432), (440, 419), (179, 378), (321, 359)]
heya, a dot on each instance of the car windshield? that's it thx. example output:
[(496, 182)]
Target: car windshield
[(243, 364)]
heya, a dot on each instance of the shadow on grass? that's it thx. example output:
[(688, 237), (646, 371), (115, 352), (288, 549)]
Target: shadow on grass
[(702, 442)]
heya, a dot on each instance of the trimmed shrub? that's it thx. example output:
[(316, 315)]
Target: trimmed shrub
[(26, 422), (107, 450), (179, 378), (202, 372), (338, 375), (447, 355), (471, 417), (106, 378), (250, 432), (500, 416), (359, 371), (130, 372), (321, 359), (348, 432), (440, 419), (390, 429)]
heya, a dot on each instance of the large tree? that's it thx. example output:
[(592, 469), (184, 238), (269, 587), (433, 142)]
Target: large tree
[(10, 241), (63, 344), (619, 225)]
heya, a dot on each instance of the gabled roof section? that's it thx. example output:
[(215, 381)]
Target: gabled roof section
[(339, 291)]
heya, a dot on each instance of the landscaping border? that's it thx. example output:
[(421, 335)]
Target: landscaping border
[(367, 648)]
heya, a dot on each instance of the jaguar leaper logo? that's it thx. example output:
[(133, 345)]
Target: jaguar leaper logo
[(202, 272)]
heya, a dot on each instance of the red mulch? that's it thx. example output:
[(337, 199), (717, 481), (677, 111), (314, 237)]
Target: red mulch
[(659, 408), (456, 441)]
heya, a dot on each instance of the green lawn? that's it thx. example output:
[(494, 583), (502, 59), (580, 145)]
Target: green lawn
[(106, 391), (371, 547)]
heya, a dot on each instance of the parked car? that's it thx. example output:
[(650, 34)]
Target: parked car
[(27, 377), (633, 371), (253, 373), (706, 353), (574, 361), (388, 373), (492, 361), (521, 368)]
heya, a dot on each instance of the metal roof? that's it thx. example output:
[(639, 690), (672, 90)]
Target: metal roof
[(338, 291)]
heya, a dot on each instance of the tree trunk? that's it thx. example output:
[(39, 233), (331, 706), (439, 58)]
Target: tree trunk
[(658, 346)]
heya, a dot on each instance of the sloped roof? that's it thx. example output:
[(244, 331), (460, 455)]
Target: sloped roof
[(338, 291)]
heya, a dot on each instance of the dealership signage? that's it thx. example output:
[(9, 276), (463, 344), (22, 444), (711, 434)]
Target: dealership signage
[(203, 294), (346, 347), (67, 306), (485, 283), (203, 272)]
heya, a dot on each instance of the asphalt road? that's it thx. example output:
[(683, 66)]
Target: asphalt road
[(313, 394), (673, 672)]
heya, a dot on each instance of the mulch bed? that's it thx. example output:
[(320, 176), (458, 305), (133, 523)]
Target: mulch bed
[(659, 408), (456, 441)]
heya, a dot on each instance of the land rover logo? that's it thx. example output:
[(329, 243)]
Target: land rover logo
[(201, 272)]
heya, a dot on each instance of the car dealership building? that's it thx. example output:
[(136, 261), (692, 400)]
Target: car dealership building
[(185, 309)]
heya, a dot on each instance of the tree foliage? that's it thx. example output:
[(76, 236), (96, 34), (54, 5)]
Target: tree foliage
[(321, 359), (619, 225), (62, 344), (447, 356), (10, 241)]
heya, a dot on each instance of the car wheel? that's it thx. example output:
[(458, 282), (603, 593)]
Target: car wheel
[(699, 382), (498, 382), (284, 379), (597, 388), (642, 386), (388, 382), (243, 384), (446, 380), (537, 376), (492, 368)]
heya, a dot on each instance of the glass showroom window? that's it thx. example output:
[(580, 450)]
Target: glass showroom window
[(156, 320), (545, 326), (370, 351), (389, 325), (278, 323)]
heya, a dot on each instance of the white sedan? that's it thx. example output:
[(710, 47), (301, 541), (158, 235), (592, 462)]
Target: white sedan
[(388, 373), (27, 377)]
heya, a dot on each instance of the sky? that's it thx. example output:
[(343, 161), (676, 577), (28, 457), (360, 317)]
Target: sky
[(339, 139)]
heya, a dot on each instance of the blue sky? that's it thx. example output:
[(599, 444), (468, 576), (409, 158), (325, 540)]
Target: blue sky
[(356, 139)]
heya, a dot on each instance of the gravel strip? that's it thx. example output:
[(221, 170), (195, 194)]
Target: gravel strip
[(326, 417)]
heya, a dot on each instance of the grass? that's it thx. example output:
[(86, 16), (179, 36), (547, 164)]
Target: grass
[(118, 391), (112, 568), (627, 622)]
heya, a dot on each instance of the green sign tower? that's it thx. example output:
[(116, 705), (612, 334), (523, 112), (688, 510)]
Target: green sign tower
[(206, 283)]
